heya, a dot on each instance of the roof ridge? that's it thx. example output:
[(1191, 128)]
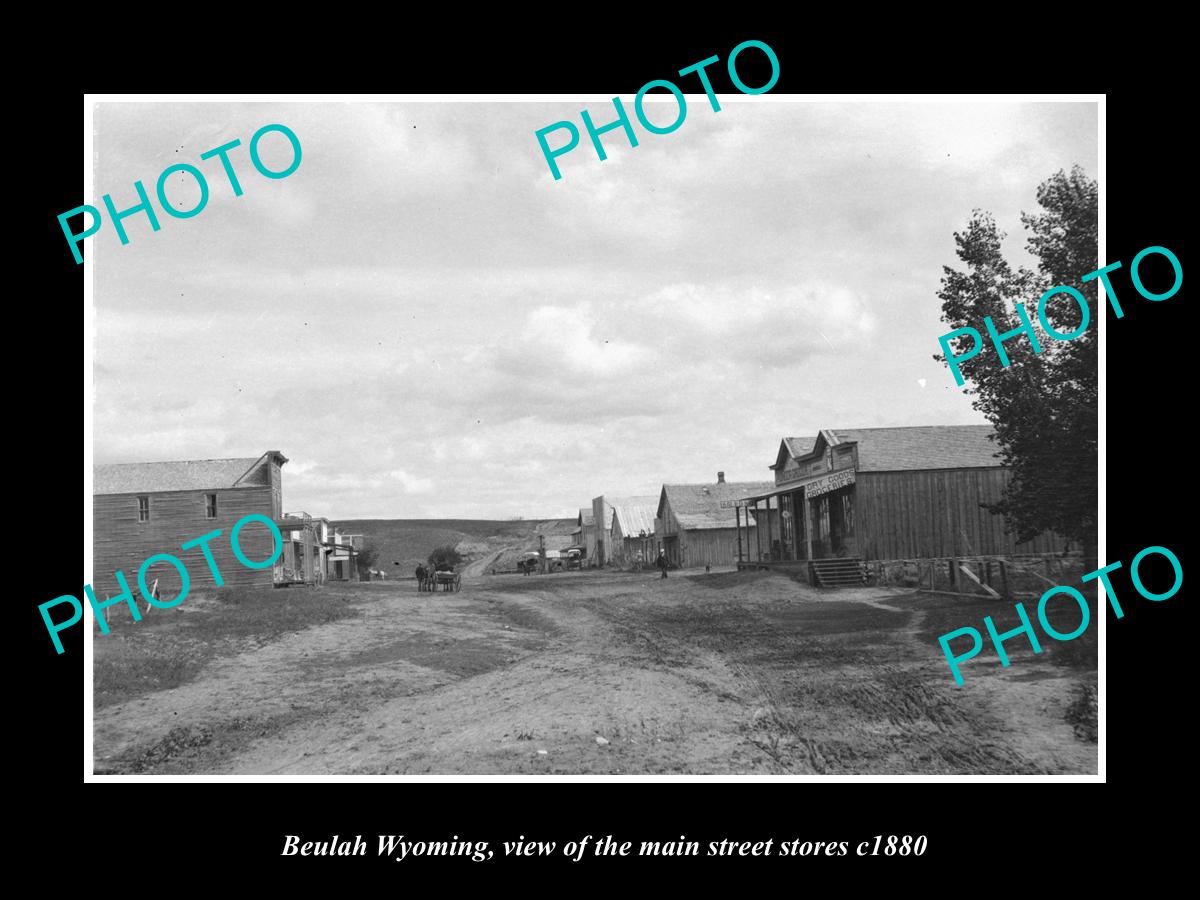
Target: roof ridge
[(905, 427), (159, 462)]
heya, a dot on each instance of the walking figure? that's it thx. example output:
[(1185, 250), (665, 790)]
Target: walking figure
[(663, 562)]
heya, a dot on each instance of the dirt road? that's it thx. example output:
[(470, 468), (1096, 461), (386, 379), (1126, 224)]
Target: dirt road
[(600, 673)]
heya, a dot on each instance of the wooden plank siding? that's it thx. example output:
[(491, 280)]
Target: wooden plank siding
[(120, 541), (936, 513), (711, 546)]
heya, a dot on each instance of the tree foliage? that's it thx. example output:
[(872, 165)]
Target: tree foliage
[(445, 556), (1043, 406), (366, 557)]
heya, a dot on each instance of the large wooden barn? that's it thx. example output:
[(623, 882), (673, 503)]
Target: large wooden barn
[(882, 494), (141, 509), (698, 524)]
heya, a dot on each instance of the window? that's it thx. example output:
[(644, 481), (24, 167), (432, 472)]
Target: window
[(143, 509), (210, 506)]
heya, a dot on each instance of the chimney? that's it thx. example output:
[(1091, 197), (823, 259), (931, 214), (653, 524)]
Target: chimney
[(720, 478)]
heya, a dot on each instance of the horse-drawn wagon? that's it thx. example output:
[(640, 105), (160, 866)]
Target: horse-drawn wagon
[(435, 580), (447, 581)]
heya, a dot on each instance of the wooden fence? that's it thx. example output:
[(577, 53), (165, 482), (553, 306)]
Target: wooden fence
[(1000, 577)]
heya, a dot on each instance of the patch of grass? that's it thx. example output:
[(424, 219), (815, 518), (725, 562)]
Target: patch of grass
[(267, 613), (127, 668), (946, 614), (197, 747), (169, 648)]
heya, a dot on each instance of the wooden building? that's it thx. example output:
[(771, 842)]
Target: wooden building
[(142, 509), (305, 554), (342, 564), (587, 536), (632, 533), (603, 514), (698, 524), (324, 534), (882, 494)]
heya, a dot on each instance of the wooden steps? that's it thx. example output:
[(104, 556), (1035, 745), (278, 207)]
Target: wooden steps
[(844, 571)]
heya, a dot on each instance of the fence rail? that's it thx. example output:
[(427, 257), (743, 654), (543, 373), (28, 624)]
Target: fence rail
[(984, 576)]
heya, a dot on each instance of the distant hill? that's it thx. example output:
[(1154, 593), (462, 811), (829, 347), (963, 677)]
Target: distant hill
[(484, 542)]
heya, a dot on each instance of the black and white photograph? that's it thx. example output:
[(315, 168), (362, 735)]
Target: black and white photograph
[(523, 437)]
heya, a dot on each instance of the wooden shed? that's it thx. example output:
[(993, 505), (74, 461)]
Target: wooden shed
[(697, 524), (604, 515), (632, 533), (884, 494), (141, 509)]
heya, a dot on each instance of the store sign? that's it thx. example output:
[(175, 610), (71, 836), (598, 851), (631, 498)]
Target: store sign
[(829, 483), (730, 504), (785, 476), (792, 475)]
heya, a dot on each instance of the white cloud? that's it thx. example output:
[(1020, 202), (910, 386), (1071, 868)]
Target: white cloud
[(446, 330), (412, 484)]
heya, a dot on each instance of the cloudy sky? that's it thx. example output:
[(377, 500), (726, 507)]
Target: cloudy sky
[(429, 325)]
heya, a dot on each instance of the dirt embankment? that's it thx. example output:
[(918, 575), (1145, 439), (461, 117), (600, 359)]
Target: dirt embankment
[(604, 673)]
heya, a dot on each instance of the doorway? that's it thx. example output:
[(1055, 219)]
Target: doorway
[(841, 522)]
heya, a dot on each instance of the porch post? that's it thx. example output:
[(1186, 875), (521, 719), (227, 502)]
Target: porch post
[(770, 545), (758, 530), (795, 528), (737, 517), (807, 527)]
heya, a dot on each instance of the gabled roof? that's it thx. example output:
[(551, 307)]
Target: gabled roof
[(699, 505), (793, 448), (916, 447), (183, 475), (610, 505), (635, 519), (586, 518)]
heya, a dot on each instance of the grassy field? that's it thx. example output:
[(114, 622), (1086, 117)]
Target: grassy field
[(589, 672)]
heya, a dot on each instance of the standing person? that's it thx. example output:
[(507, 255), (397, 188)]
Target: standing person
[(421, 576), (663, 562)]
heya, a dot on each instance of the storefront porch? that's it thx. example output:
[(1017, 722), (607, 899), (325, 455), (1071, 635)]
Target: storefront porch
[(806, 526)]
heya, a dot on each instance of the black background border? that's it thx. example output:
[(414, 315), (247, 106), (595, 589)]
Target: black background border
[(980, 830)]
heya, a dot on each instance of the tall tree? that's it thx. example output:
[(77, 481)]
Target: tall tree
[(1042, 406)]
